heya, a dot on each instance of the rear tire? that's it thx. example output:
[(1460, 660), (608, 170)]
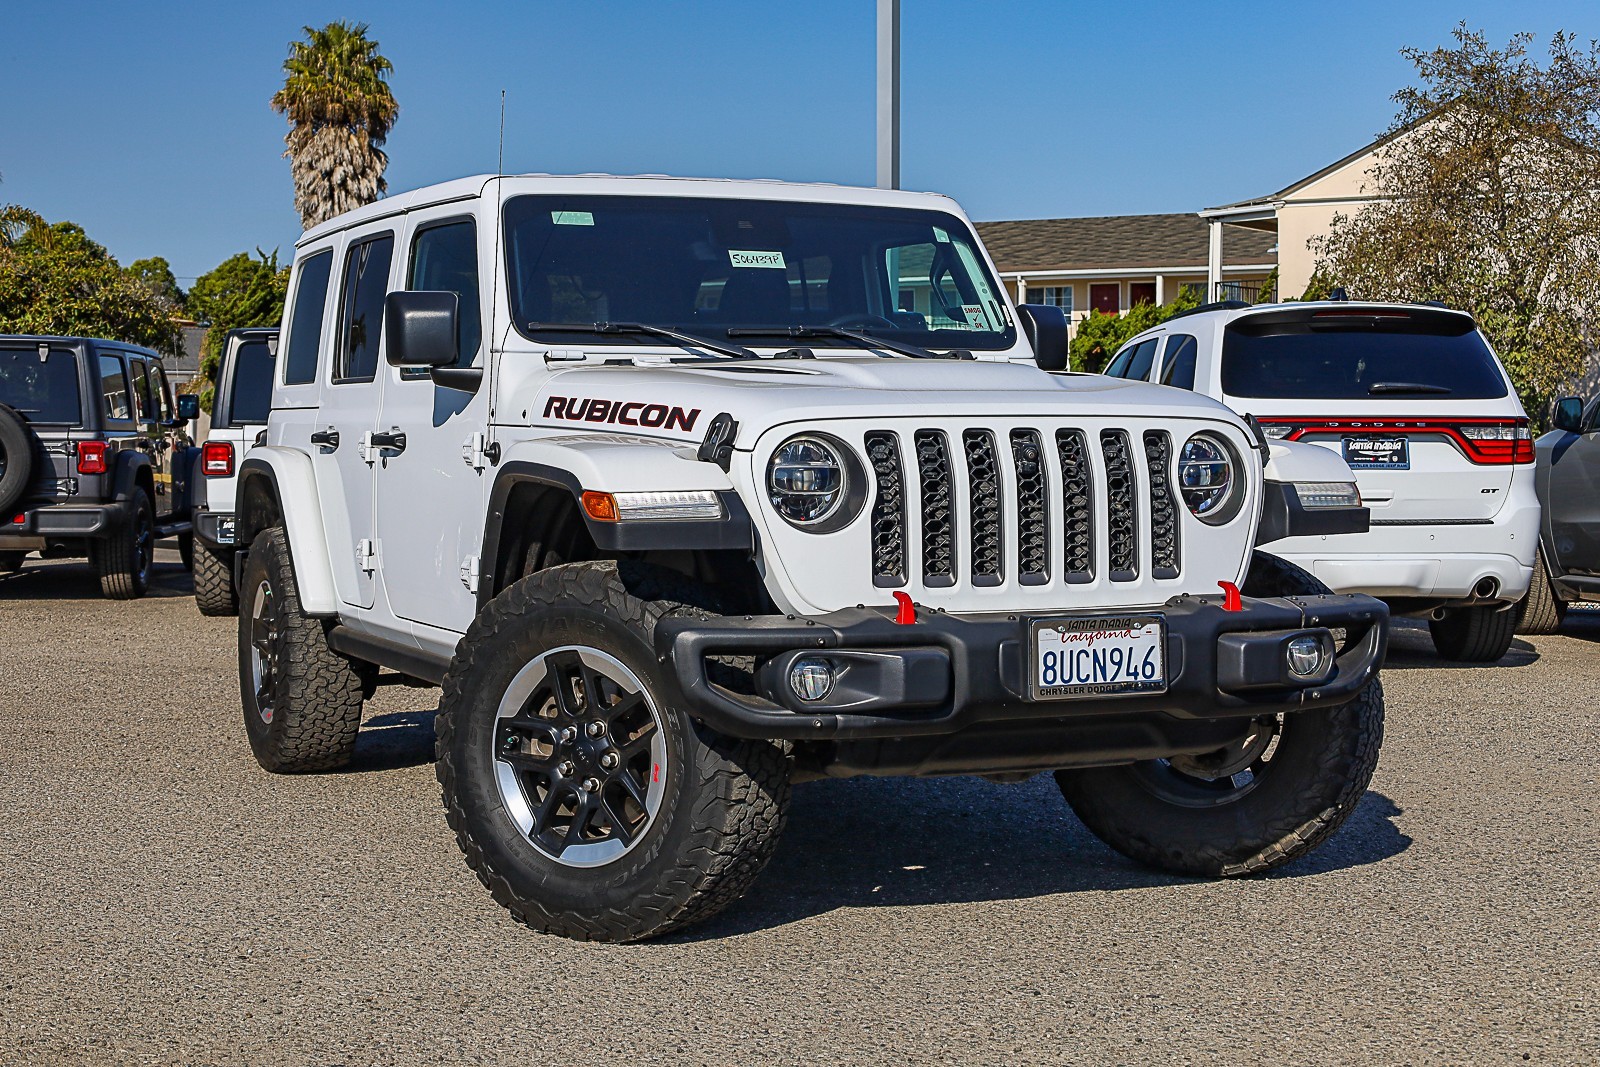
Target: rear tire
[(1479, 634), (11, 561), (214, 593), (302, 700), (1541, 611), (1275, 794), (124, 557), (640, 822)]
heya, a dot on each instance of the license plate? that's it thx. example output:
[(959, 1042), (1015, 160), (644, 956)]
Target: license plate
[(1377, 453), (1099, 657), (225, 531)]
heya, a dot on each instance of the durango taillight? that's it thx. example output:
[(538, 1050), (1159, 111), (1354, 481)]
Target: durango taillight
[(216, 459), (1490, 442), (91, 457)]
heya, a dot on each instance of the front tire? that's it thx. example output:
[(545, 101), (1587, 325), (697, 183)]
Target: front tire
[(302, 700), (582, 793), (123, 558), (1478, 634), (1541, 611), (214, 593), (1273, 795)]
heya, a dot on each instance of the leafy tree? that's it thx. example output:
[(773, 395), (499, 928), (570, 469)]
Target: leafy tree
[(1101, 334), (156, 274), (240, 291), (55, 280), (1487, 197), (340, 110)]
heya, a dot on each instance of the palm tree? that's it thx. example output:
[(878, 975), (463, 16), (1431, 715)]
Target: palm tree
[(340, 110)]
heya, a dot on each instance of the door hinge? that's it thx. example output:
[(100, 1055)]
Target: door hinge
[(367, 554), (479, 452), (469, 573)]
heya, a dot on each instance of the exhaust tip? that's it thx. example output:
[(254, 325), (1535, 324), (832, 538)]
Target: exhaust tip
[(1486, 588)]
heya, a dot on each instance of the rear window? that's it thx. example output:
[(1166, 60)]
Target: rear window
[(250, 396), (1348, 354), (41, 390)]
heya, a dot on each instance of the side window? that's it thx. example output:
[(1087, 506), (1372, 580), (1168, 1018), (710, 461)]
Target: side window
[(116, 401), (305, 328), (366, 283), (1143, 357), (159, 394), (445, 259), (1119, 363), (1178, 367), (144, 410)]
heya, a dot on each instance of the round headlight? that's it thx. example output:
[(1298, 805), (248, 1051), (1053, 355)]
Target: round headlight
[(1208, 478), (806, 480)]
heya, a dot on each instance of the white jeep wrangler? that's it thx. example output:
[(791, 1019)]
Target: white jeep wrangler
[(685, 490)]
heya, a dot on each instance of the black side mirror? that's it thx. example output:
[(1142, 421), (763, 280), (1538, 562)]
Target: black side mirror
[(1569, 414), (188, 406), (420, 329), (1046, 327)]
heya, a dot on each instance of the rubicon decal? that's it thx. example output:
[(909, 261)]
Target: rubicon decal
[(622, 413)]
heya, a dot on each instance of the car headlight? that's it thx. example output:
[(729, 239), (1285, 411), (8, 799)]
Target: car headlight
[(1328, 494), (1209, 478), (815, 482)]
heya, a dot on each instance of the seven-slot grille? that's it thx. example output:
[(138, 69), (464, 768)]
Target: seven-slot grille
[(1002, 523)]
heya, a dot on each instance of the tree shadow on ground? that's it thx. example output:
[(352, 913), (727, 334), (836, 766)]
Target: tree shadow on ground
[(896, 842)]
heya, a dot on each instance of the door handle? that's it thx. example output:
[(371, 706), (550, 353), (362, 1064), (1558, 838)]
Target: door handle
[(328, 439), (394, 440)]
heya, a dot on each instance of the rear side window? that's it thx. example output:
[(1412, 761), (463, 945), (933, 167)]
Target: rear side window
[(445, 259), (1134, 361), (366, 283), (41, 390), (1347, 354), (250, 393), (305, 328), (116, 401), (1178, 368)]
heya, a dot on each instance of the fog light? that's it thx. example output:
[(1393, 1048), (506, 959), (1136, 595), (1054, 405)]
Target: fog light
[(1306, 655), (811, 679)]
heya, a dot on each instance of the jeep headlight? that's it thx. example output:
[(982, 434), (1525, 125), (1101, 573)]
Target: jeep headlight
[(1209, 477), (815, 482)]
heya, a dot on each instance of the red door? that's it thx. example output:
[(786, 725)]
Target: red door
[(1141, 293), (1105, 298)]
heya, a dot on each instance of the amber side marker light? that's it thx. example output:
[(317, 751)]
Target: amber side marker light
[(601, 507)]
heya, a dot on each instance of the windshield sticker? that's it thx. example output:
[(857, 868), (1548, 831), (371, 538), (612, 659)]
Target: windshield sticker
[(572, 218), (974, 313), (940, 236), (756, 259)]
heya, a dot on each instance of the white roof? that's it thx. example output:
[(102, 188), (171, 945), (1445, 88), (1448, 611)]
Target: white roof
[(630, 185)]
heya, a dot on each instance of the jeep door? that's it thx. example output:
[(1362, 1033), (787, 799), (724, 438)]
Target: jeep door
[(151, 436), (426, 546), (1571, 497)]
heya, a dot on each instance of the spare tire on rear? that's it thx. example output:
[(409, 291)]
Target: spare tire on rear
[(16, 457)]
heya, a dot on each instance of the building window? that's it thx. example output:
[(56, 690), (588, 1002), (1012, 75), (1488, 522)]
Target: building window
[(1055, 295)]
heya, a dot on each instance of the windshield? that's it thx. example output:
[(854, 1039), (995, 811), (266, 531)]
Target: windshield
[(250, 397), (42, 391), (1344, 354), (704, 266)]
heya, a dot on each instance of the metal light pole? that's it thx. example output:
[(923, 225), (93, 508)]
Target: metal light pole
[(888, 94)]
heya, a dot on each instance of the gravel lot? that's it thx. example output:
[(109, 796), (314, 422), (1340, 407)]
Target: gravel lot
[(164, 900)]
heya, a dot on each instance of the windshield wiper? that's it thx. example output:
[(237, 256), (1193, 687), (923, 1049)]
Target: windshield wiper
[(684, 340), (1407, 387), (860, 337)]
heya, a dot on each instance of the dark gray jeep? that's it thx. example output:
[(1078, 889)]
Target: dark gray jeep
[(93, 458)]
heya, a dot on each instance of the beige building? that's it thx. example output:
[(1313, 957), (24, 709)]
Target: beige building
[(1112, 263)]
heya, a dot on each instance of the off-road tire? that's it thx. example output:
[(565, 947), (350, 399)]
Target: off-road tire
[(124, 558), (1541, 611), (725, 799), (1321, 768), (11, 561), (16, 452), (315, 692), (1478, 634), (214, 592)]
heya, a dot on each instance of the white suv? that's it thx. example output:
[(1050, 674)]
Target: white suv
[(685, 490), (1413, 398)]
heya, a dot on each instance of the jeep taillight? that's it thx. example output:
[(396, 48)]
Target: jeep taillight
[(91, 457), (216, 459), (1488, 442)]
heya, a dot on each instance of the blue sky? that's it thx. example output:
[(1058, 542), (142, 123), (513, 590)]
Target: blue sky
[(148, 123)]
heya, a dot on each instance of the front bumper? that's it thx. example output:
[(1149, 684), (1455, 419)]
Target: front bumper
[(946, 674), (63, 521)]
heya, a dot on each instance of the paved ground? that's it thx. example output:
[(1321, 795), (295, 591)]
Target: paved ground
[(163, 900)]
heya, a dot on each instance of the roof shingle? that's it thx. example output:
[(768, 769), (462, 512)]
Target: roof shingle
[(1116, 242)]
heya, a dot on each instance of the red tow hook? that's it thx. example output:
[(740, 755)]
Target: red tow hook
[(1230, 597), (907, 615)]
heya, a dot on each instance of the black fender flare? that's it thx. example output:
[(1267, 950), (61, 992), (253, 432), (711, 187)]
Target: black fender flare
[(129, 463)]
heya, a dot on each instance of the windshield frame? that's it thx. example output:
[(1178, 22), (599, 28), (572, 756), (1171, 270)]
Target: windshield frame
[(974, 259)]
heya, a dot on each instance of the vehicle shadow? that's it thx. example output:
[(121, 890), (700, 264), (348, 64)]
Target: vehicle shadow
[(1411, 648), (897, 842), (75, 579), (392, 741)]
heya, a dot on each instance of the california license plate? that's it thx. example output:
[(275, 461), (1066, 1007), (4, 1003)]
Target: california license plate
[(1377, 453), (1101, 656)]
